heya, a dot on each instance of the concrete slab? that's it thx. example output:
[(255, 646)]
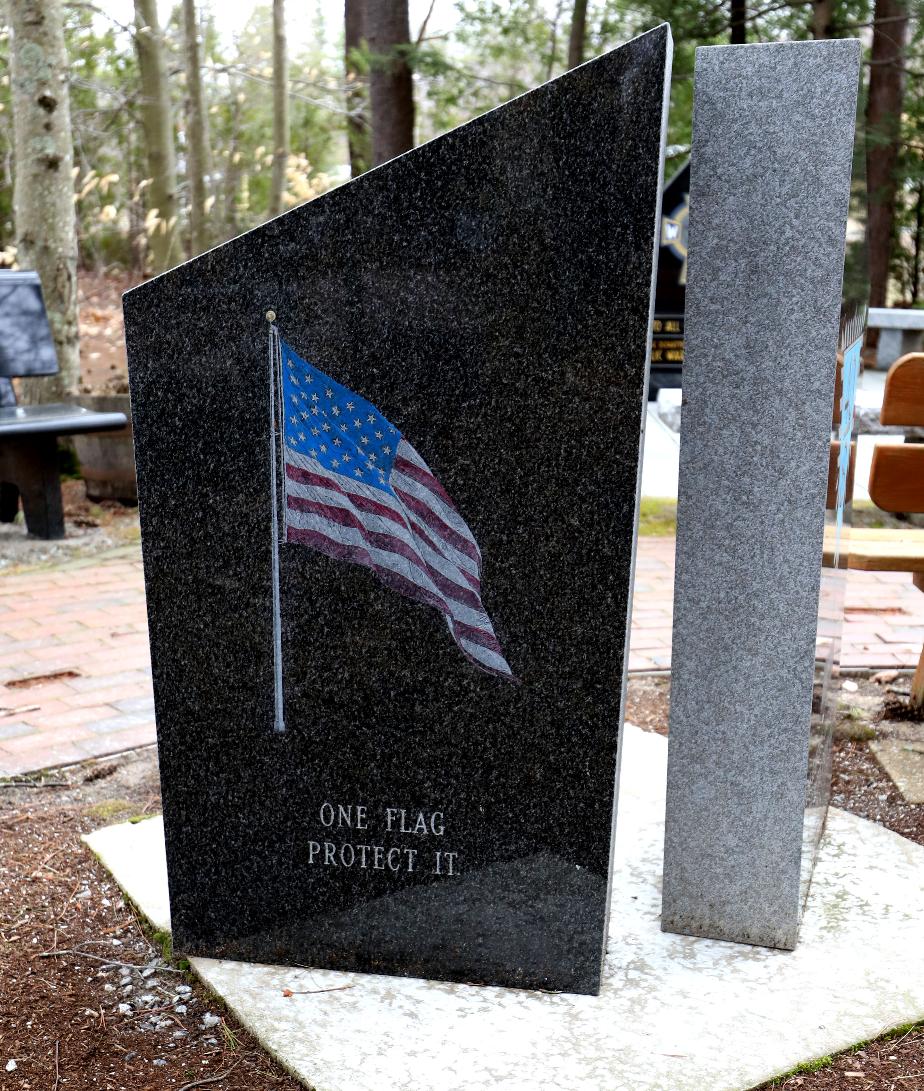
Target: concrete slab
[(904, 762), (676, 1013)]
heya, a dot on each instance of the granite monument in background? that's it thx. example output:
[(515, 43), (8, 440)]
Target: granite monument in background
[(410, 767), (756, 631)]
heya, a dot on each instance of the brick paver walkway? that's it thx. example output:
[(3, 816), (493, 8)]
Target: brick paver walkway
[(80, 631)]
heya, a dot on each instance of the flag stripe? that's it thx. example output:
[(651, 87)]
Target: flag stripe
[(382, 537), (424, 477), (434, 523), (328, 540), (389, 508)]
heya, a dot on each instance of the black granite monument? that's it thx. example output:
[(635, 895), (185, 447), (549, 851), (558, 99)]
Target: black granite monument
[(410, 767)]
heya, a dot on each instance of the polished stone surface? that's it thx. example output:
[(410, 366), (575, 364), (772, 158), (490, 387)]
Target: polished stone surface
[(770, 180), (675, 1013), (490, 294)]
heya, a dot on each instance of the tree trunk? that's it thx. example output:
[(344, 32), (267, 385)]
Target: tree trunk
[(280, 109), (157, 123), (578, 34), (738, 22), (357, 122), (822, 19), (233, 165), (918, 244), (883, 133), (196, 154), (391, 88), (43, 198)]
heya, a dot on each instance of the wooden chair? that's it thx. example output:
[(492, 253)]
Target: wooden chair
[(896, 484)]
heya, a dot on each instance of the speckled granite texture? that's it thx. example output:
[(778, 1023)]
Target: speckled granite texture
[(490, 293), (771, 163)]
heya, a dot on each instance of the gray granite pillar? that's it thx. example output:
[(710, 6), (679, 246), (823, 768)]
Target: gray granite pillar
[(771, 164)]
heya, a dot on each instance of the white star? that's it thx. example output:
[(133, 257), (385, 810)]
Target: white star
[(303, 396), (294, 420), (350, 405), (315, 398), (371, 459), (291, 441), (392, 431), (358, 423), (386, 450), (371, 418), (343, 428), (329, 393), (303, 415), (309, 378), (323, 449), (294, 399), (358, 472), (378, 435), (325, 427), (313, 452), (314, 410), (291, 363), (335, 411), (346, 456), (294, 380), (301, 436), (335, 462), (337, 441), (315, 432), (364, 439)]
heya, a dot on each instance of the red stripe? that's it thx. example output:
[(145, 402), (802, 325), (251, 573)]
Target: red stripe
[(424, 477), (436, 524), (390, 544)]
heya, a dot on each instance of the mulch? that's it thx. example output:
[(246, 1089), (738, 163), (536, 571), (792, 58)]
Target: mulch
[(87, 1000)]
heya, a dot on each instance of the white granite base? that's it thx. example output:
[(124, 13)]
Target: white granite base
[(675, 1014)]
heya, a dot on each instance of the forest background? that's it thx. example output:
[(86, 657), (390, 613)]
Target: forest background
[(137, 133)]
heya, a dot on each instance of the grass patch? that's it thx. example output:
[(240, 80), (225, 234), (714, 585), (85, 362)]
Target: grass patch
[(802, 1069), (108, 809), (657, 517)]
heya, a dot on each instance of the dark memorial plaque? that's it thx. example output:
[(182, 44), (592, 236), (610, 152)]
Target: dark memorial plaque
[(409, 766), (671, 285)]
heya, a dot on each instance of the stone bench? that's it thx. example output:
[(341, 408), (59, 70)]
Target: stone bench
[(901, 332), (29, 460)]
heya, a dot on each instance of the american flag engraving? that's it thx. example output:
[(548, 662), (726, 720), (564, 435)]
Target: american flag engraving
[(356, 490)]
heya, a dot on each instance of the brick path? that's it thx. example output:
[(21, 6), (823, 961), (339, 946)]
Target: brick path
[(84, 625)]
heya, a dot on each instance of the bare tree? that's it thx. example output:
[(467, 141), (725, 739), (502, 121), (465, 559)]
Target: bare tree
[(578, 35), (280, 108), (43, 198), (822, 24), (197, 139), (738, 22), (157, 124), (357, 123), (883, 135), (391, 87)]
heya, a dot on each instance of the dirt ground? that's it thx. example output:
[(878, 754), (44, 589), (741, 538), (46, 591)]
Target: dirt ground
[(91, 528), (87, 999)]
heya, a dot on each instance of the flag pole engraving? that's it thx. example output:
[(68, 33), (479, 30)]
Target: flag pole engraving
[(275, 384)]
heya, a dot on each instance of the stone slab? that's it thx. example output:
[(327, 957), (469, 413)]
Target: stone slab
[(675, 1013), (904, 762), (773, 132), (489, 294)]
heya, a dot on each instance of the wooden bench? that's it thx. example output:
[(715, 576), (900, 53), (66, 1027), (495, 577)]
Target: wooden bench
[(896, 484)]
